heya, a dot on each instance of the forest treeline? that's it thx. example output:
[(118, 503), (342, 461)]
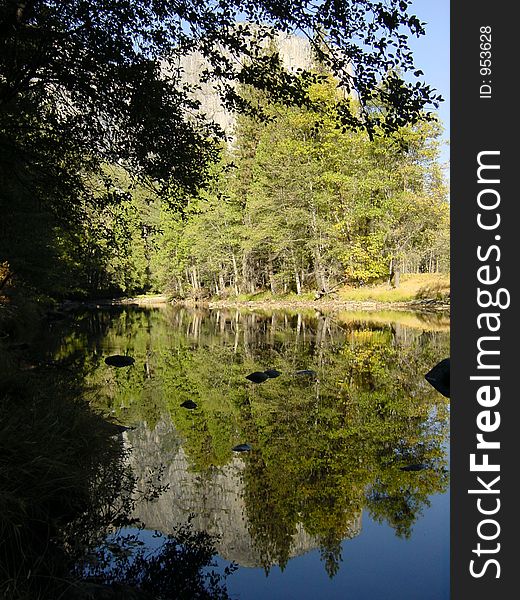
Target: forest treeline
[(113, 182), (295, 203), (300, 204)]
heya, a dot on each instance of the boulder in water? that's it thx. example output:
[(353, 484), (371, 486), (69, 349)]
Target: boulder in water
[(243, 448), (257, 377), (189, 404), (117, 360), (307, 372), (439, 377), (272, 373)]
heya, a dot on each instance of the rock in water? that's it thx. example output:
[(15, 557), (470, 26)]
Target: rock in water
[(419, 467), (306, 372), (257, 377), (272, 373), (439, 377), (242, 448), (117, 360), (189, 404)]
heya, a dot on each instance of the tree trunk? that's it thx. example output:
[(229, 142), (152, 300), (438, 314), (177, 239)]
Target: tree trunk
[(397, 274), (391, 271), (247, 277), (298, 282), (179, 286), (271, 274), (319, 272), (196, 278), (235, 273), (222, 283)]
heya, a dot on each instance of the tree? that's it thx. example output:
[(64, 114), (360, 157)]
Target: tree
[(85, 84), (322, 205), (286, 201), (93, 70), (391, 200), (298, 204)]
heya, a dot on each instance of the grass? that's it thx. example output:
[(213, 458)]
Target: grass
[(419, 286), (422, 286)]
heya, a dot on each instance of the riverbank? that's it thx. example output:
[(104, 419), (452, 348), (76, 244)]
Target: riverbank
[(427, 305), (417, 293), (420, 292), (430, 305)]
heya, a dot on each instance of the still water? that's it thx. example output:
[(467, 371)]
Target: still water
[(343, 492)]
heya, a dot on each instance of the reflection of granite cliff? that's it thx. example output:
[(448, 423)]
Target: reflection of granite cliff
[(215, 499)]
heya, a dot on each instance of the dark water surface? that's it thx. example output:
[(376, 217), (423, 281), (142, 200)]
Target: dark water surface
[(344, 493)]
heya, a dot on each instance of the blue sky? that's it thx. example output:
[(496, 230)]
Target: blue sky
[(432, 54)]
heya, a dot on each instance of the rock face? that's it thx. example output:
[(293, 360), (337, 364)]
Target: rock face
[(295, 52), (215, 499)]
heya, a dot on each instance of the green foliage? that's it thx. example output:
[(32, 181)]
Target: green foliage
[(89, 84), (305, 205), (103, 57), (112, 247)]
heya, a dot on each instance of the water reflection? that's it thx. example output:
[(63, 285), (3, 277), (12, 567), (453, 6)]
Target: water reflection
[(324, 448)]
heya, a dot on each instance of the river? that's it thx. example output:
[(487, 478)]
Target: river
[(343, 488)]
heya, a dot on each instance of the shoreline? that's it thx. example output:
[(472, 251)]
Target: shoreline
[(336, 305), (426, 305)]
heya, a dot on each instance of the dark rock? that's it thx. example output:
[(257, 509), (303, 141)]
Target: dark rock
[(117, 360), (419, 467), (189, 404), (307, 372), (439, 377), (272, 373), (257, 377), (242, 448)]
